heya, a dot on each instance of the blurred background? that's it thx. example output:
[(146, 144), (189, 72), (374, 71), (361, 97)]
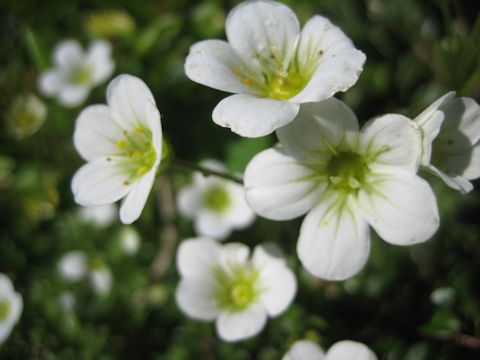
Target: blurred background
[(420, 302)]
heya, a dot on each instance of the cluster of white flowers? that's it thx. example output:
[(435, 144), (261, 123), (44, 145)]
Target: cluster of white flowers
[(11, 306)]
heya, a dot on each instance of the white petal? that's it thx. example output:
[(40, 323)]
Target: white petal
[(263, 29), (319, 127), (101, 280), (350, 350), (197, 257), (241, 325), (71, 96), (100, 215), (213, 63), (189, 201), (99, 182), (250, 116), (278, 187), (127, 96), (430, 130), (239, 214), (68, 53), (305, 350), (73, 265), (334, 241), (196, 298), (51, 82), (99, 57), (425, 115), (233, 254), (212, 224), (455, 182), (391, 140), (96, 133), (400, 206), (336, 64), (134, 202)]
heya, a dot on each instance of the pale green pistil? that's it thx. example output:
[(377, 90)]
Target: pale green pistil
[(216, 198), (81, 75), (237, 288), (346, 171), (4, 310), (283, 87), (138, 149)]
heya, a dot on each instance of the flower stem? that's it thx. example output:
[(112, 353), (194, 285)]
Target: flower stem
[(188, 165)]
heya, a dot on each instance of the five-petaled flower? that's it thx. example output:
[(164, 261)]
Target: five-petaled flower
[(216, 205), (345, 179), (221, 282), (272, 66), (11, 306), (76, 72), (122, 142), (342, 350), (451, 140)]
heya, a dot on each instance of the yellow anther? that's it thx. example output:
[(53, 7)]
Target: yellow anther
[(126, 182), (353, 183), (134, 153), (247, 81), (325, 222), (121, 144), (385, 147), (140, 128), (237, 71)]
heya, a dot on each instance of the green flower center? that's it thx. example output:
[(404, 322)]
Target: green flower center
[(346, 171), (81, 75), (237, 288), (4, 310), (137, 147), (216, 198), (285, 87)]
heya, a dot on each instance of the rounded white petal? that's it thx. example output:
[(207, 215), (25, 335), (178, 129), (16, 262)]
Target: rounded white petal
[(233, 254), (213, 63), (455, 182), (304, 350), (426, 114), (73, 265), (327, 52), (334, 241), (71, 96), (51, 82), (391, 140), (96, 133), (318, 127), (278, 187), (196, 298), (212, 224), (189, 201), (127, 96), (263, 29), (135, 200), (99, 57), (197, 257), (241, 325), (15, 302), (68, 53), (100, 182), (350, 350), (251, 116), (400, 206)]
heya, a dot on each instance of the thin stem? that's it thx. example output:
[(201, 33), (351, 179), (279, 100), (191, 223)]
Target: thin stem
[(187, 165)]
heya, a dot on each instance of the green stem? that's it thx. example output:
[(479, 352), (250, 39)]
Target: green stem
[(188, 165)]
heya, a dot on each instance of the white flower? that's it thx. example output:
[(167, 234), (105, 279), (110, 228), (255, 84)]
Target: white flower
[(101, 215), (67, 301), (27, 114), (129, 240), (101, 280), (346, 180), (76, 72), (72, 266), (217, 205), (342, 350), (122, 142), (11, 306), (451, 140), (272, 66), (220, 282)]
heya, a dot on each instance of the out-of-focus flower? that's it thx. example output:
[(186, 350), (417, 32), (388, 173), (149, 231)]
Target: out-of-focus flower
[(76, 72), (129, 240), (100, 215), (346, 179), (101, 279), (66, 301), (216, 205), (11, 306), (451, 140), (122, 142), (72, 266), (342, 350), (272, 67), (222, 283), (27, 114), (108, 23), (442, 296)]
